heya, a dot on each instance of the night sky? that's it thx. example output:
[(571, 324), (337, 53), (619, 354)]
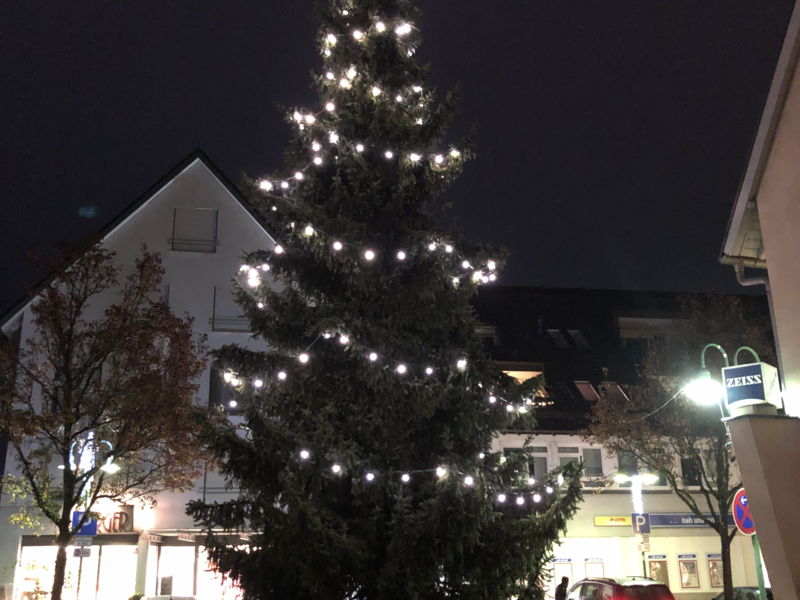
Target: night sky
[(612, 134)]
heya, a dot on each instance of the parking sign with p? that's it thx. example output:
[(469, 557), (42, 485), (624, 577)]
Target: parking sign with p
[(641, 523)]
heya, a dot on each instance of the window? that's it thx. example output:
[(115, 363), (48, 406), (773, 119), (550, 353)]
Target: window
[(558, 338), (627, 465), (690, 472), (565, 460), (592, 462), (579, 339), (596, 591), (226, 314), (568, 450), (538, 466), (220, 394), (587, 391), (194, 230)]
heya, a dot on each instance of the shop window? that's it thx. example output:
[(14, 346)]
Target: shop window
[(592, 462), (689, 471), (194, 230)]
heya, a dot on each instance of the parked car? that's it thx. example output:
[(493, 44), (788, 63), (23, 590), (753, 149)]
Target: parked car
[(745, 593), (621, 588)]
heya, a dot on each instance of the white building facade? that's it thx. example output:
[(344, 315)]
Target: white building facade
[(201, 226)]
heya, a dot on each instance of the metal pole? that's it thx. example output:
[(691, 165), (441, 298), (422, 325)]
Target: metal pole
[(759, 573), (644, 566)]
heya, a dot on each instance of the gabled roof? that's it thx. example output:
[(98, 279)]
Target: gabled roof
[(198, 155), (743, 235)]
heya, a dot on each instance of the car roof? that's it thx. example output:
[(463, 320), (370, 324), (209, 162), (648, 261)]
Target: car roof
[(623, 581)]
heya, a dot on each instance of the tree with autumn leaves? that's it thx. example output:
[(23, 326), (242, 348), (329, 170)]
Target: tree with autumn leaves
[(684, 443), (98, 396)]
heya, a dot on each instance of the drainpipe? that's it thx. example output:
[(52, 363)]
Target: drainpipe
[(739, 265)]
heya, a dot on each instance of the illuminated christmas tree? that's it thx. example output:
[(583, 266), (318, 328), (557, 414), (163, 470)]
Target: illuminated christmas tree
[(364, 458)]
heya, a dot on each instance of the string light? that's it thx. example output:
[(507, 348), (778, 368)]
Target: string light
[(253, 281), (548, 489), (265, 267), (465, 264), (343, 339), (333, 137), (398, 98), (331, 39), (438, 159), (454, 153), (357, 34), (509, 408), (429, 371), (297, 116), (265, 185), (401, 368), (403, 29), (284, 185), (316, 147), (344, 83), (431, 246), (310, 119), (401, 255), (380, 26), (298, 176), (336, 469), (417, 88), (330, 75), (317, 160), (309, 230), (233, 404), (369, 255), (373, 357), (406, 478), (278, 249), (491, 265), (520, 501), (481, 456), (351, 72), (235, 381), (560, 479), (468, 480), (531, 481), (330, 106), (492, 399), (501, 498), (441, 471), (359, 147), (537, 498), (448, 248), (388, 154), (304, 454), (303, 358), (227, 377), (376, 91), (414, 156), (461, 364), (282, 375), (258, 383), (337, 246), (260, 305), (369, 476)]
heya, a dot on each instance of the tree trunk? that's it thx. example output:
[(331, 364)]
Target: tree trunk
[(727, 574), (61, 566)]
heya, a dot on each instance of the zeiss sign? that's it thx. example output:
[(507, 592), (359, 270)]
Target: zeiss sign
[(751, 384)]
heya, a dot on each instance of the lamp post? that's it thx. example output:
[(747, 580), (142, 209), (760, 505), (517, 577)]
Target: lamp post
[(705, 390), (637, 482)]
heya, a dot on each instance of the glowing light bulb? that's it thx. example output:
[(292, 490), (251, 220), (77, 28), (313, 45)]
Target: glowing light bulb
[(330, 106), (509, 408), (317, 160), (333, 137), (327, 336), (358, 34), (520, 501), (388, 154), (481, 456), (369, 255), (522, 410), (560, 479), (330, 75), (419, 121), (531, 481), (431, 246), (454, 153), (265, 267), (310, 119), (414, 156), (373, 357), (327, 52), (351, 72), (403, 29), (298, 176), (461, 364), (345, 12), (465, 265), (438, 159), (359, 147), (336, 469), (376, 91), (304, 454), (297, 116), (284, 185), (282, 375), (429, 371), (337, 246), (303, 358), (417, 88), (331, 39), (398, 98), (316, 147), (253, 281), (309, 230), (233, 403), (448, 248), (265, 185), (260, 305), (401, 255), (406, 478), (401, 369), (492, 399), (501, 498), (227, 377), (476, 276), (537, 498), (344, 83), (343, 339), (441, 471), (491, 265), (380, 26), (258, 383), (492, 277), (455, 281), (235, 381), (274, 208), (548, 489), (278, 249), (244, 268), (468, 480), (370, 477)]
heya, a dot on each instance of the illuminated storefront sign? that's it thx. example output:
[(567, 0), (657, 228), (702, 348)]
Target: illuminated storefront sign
[(621, 521)]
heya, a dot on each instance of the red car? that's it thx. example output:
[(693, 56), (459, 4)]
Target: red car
[(619, 588)]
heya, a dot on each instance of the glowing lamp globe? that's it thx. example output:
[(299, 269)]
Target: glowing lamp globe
[(704, 390)]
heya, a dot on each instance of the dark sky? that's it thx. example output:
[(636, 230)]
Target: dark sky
[(612, 134)]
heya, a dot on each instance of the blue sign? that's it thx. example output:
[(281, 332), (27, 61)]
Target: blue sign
[(641, 523), (562, 560), (680, 556), (656, 557), (89, 527), (714, 556), (751, 384), (673, 520)]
